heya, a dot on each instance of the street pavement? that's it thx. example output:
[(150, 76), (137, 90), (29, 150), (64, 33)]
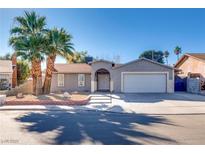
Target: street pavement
[(98, 127)]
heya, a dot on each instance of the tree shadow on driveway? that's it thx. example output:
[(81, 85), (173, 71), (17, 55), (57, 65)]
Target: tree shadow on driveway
[(157, 97), (95, 127)]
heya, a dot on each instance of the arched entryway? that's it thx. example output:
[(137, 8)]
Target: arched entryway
[(103, 79)]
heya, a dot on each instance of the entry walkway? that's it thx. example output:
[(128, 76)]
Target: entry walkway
[(100, 98)]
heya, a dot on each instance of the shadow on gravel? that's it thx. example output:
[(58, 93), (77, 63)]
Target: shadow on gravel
[(90, 127)]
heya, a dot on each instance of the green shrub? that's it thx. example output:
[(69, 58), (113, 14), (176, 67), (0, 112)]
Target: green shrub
[(23, 71)]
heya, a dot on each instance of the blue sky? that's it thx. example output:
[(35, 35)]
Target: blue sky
[(125, 32)]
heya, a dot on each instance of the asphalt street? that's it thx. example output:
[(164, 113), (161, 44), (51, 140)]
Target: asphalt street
[(96, 127)]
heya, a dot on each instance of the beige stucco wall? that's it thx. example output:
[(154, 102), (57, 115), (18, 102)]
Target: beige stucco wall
[(170, 84), (70, 83), (100, 65), (71, 80), (142, 66), (138, 66), (192, 65)]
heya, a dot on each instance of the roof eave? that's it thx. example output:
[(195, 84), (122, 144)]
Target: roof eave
[(71, 72), (195, 57), (146, 60), (187, 55)]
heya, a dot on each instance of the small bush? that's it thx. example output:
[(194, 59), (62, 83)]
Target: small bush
[(23, 71)]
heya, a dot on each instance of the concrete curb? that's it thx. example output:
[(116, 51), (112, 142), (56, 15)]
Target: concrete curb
[(52, 108), (80, 108)]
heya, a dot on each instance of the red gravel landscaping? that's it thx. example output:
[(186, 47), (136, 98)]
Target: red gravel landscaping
[(47, 102), (52, 99)]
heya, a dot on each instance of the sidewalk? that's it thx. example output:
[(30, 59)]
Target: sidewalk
[(161, 108)]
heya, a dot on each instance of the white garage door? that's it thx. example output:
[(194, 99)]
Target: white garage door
[(144, 83)]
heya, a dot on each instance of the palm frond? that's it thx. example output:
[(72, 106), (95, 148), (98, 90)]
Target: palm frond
[(28, 37), (59, 42)]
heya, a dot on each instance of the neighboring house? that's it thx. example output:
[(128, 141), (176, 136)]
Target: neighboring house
[(190, 65), (5, 74), (138, 76), (8, 74)]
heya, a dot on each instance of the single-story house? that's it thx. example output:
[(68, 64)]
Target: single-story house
[(191, 65), (5, 74), (138, 76)]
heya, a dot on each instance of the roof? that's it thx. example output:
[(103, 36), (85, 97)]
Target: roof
[(72, 68), (198, 56), (86, 68), (6, 66), (154, 62)]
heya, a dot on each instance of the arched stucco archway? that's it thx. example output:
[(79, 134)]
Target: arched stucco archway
[(102, 78)]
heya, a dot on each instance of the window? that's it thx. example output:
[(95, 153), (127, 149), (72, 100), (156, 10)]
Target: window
[(60, 80), (81, 80)]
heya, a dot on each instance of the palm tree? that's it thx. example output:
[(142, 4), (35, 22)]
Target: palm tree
[(166, 55), (178, 51), (58, 43), (77, 57), (28, 40)]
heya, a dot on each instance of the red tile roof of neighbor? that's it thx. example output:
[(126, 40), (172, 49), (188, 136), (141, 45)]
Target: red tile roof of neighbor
[(72, 68)]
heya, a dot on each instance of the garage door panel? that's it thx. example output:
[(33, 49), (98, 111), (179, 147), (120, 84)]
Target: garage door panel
[(144, 83)]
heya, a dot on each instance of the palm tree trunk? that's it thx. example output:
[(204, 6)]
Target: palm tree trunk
[(37, 77), (49, 70)]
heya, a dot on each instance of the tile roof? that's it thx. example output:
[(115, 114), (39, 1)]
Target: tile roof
[(72, 68), (6, 66)]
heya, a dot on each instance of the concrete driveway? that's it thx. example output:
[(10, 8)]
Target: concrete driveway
[(176, 103), (158, 97)]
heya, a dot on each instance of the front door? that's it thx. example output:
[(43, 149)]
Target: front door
[(103, 82)]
